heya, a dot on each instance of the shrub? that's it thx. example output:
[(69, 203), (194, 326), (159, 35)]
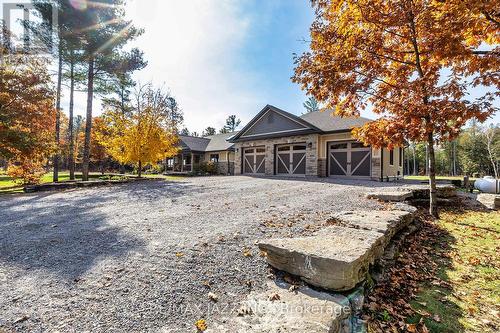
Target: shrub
[(26, 172), (209, 167)]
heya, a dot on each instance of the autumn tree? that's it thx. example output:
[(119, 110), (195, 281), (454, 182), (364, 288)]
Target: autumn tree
[(412, 61), (98, 152), (143, 137), (27, 114)]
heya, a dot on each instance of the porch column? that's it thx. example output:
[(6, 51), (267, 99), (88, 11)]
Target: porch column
[(192, 162), (182, 162)]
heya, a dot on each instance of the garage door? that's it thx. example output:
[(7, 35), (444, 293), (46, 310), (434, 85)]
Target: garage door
[(254, 160), (351, 159), (291, 160)]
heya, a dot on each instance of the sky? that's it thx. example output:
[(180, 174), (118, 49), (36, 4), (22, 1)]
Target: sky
[(221, 57)]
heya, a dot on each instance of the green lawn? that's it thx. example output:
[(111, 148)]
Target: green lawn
[(425, 178), (470, 299), (8, 185)]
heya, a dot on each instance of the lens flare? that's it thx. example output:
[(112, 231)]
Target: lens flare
[(79, 4)]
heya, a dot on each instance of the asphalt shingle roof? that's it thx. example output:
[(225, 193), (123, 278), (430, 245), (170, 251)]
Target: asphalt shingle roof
[(193, 143), (219, 141), (325, 121)]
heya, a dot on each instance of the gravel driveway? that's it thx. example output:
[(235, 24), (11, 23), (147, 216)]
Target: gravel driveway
[(144, 256)]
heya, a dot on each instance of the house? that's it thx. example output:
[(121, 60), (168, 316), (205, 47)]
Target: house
[(276, 142), (196, 150)]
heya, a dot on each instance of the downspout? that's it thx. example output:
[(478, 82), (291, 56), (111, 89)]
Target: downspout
[(381, 164)]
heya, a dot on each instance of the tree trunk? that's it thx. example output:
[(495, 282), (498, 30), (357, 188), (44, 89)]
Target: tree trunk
[(88, 121), (433, 209), (427, 159), (71, 155), (414, 160), (407, 161), (454, 157), (139, 170), (55, 176)]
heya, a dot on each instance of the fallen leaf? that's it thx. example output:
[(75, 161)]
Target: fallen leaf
[(274, 297), (201, 325), (411, 328), (247, 253), (213, 297)]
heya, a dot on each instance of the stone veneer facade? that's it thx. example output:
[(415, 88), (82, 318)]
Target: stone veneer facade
[(316, 166), (270, 146)]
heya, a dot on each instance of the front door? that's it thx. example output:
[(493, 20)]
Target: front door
[(291, 160), (254, 160), (351, 159)]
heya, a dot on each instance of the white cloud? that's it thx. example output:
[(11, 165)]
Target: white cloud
[(192, 48)]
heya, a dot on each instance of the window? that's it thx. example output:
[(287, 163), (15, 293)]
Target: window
[(284, 148), (357, 145), (299, 147), (391, 157), (214, 158), (400, 157), (261, 150), (249, 151), (339, 146)]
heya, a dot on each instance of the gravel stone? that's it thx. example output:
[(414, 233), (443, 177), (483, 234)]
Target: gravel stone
[(143, 256)]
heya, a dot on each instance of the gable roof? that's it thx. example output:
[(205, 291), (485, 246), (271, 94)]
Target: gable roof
[(193, 143), (286, 124), (220, 141), (327, 122)]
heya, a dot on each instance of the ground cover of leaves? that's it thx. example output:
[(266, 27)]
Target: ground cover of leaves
[(446, 279)]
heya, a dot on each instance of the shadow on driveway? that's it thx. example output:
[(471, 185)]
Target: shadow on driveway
[(67, 233)]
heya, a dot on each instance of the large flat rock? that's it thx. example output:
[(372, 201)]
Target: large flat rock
[(490, 201), (387, 222), (337, 258), (280, 310)]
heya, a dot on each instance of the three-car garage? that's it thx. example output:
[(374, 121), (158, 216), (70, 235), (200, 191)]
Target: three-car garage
[(289, 160), (344, 159)]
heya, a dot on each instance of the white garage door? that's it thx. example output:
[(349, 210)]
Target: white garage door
[(291, 160), (254, 160), (351, 159)]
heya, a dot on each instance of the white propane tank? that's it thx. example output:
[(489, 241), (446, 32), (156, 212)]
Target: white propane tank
[(487, 184)]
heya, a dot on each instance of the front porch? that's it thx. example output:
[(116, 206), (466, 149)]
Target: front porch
[(185, 162)]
